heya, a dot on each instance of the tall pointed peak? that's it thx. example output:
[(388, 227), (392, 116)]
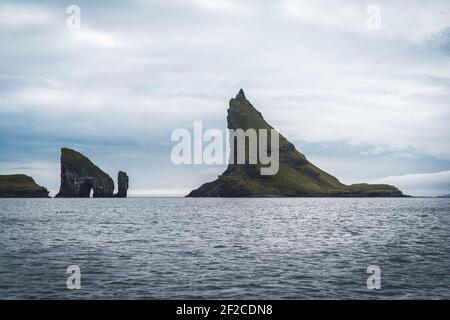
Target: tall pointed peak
[(241, 95), (296, 177)]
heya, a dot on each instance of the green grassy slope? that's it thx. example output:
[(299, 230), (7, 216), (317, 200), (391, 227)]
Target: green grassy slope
[(18, 185), (296, 175), (74, 159)]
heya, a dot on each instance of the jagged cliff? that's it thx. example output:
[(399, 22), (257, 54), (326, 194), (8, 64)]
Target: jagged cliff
[(296, 177), (79, 176), (21, 186)]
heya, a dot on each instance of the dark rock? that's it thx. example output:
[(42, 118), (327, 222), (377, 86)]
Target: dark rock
[(122, 183), (21, 186), (79, 176), (296, 177)]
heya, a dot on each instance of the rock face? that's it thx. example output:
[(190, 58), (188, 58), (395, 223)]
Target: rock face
[(122, 184), (79, 176), (21, 186), (296, 177)]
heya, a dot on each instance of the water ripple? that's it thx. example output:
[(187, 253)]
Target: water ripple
[(224, 248)]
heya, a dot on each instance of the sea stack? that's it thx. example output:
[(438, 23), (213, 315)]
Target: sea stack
[(79, 176), (21, 186), (122, 185), (296, 177)]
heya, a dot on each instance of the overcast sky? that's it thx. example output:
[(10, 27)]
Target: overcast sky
[(363, 104)]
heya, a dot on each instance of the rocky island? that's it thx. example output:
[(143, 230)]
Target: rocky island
[(296, 177), (122, 185), (79, 176), (21, 186)]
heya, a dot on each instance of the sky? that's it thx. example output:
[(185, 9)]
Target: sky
[(365, 101)]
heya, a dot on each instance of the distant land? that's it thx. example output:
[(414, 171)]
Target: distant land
[(79, 176), (21, 186), (297, 177), (444, 196)]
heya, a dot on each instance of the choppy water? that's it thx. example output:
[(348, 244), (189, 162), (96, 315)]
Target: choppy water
[(224, 248)]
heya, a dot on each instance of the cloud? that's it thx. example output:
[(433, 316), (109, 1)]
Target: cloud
[(218, 5), (440, 41), (24, 16), (95, 38), (425, 184), (138, 70)]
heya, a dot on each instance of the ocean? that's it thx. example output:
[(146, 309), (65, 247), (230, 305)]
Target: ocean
[(185, 248)]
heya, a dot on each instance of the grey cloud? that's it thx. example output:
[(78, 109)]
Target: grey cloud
[(137, 70), (440, 41)]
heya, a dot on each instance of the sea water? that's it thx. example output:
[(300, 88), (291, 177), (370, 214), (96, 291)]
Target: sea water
[(173, 248)]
